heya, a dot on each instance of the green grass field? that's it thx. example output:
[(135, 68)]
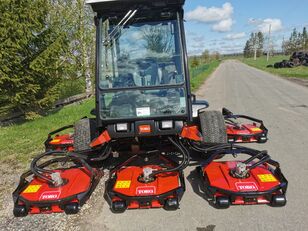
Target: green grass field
[(261, 63), (23, 141), (199, 74), (20, 142)]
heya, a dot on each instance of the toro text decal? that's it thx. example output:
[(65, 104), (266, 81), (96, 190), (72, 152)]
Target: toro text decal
[(246, 186), (52, 195), (145, 190)]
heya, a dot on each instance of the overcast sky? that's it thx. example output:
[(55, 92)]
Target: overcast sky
[(225, 26)]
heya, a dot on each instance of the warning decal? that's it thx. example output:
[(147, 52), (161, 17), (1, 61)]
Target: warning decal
[(32, 188), (122, 184), (256, 129), (267, 178)]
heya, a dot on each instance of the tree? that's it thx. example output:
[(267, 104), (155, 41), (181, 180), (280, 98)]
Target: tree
[(305, 39), (254, 45), (247, 50), (29, 52), (194, 62), (215, 55), (158, 39), (297, 42), (260, 43), (293, 41), (205, 56), (75, 19)]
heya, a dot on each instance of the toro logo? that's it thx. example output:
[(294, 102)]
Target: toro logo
[(144, 129), (145, 190), (50, 195), (246, 186)]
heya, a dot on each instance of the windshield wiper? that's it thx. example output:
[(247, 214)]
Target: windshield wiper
[(117, 29)]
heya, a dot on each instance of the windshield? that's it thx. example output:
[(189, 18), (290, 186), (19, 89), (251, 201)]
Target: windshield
[(143, 103), (141, 55)]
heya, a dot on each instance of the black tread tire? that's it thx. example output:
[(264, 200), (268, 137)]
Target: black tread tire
[(213, 127), (84, 131)]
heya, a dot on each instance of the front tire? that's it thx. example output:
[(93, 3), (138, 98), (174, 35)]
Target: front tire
[(213, 127), (84, 131)]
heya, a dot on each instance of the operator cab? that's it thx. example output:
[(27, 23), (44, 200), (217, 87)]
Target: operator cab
[(141, 72)]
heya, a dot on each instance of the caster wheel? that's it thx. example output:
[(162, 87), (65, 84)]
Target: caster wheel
[(278, 201), (171, 204), (72, 208), (118, 207), (262, 139), (20, 211), (222, 202)]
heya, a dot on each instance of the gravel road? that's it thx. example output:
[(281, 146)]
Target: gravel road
[(282, 104)]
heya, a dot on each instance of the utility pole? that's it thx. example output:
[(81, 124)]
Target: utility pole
[(283, 46), (255, 45), (269, 42)]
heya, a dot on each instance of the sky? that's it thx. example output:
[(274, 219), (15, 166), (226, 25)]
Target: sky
[(225, 26)]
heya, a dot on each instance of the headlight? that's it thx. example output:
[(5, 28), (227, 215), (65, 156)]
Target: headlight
[(122, 127), (168, 124)]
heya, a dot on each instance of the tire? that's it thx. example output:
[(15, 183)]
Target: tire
[(84, 133), (71, 208), (171, 204), (278, 201), (118, 207), (277, 65), (20, 211), (222, 202), (213, 127)]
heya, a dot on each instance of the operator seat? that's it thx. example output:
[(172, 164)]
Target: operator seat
[(165, 79), (153, 72), (124, 80)]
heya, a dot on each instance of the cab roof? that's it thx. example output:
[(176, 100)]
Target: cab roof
[(109, 6)]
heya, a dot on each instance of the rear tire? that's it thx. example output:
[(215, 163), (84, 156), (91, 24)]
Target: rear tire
[(213, 127), (118, 207), (222, 202), (20, 211), (278, 201), (84, 132), (72, 208), (171, 204)]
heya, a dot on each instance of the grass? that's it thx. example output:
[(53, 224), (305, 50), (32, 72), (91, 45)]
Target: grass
[(261, 63), (200, 73), (23, 141)]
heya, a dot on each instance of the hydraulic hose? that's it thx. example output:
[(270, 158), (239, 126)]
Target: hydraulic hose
[(184, 162), (210, 148), (61, 156)]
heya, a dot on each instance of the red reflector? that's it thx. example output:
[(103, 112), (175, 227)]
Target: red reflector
[(144, 129)]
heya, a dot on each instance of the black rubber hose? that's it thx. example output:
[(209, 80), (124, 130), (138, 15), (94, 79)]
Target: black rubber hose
[(84, 153), (261, 161), (106, 153), (187, 154), (184, 163), (210, 148), (38, 170), (83, 162), (261, 153)]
